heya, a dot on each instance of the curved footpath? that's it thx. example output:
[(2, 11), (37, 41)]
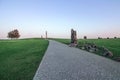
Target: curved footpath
[(62, 62)]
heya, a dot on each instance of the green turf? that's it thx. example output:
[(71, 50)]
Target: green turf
[(112, 44), (65, 41), (19, 59)]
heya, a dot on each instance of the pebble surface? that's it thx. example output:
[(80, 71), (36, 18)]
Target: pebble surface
[(62, 62)]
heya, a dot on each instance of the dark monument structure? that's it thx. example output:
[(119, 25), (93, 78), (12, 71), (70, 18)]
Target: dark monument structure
[(73, 38), (46, 34)]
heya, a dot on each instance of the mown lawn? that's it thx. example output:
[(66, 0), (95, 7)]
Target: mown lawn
[(112, 44), (19, 59), (65, 41)]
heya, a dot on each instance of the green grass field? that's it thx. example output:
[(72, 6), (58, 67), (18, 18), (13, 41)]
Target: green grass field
[(112, 44), (19, 59)]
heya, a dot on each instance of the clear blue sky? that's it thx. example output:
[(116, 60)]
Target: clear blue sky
[(32, 18)]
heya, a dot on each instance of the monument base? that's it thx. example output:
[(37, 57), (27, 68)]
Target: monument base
[(72, 45)]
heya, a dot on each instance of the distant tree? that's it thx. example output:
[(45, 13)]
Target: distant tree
[(107, 37), (13, 34), (115, 37), (99, 37), (85, 37)]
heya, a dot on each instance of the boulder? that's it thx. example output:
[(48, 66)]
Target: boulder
[(107, 53), (117, 59)]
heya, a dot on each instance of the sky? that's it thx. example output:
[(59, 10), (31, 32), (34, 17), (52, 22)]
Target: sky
[(91, 18)]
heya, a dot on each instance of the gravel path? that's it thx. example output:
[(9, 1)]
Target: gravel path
[(67, 63)]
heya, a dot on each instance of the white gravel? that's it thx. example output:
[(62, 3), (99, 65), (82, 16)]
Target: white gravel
[(62, 62)]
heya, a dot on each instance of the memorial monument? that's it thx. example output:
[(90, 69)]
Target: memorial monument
[(46, 34), (73, 38)]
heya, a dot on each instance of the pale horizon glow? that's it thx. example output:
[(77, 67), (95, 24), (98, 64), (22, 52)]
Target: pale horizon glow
[(91, 18)]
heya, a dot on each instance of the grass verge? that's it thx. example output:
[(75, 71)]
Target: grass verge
[(19, 59)]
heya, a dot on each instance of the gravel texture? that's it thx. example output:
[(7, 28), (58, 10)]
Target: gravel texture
[(62, 62)]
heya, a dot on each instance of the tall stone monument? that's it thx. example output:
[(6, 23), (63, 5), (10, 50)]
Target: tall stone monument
[(73, 38), (46, 34)]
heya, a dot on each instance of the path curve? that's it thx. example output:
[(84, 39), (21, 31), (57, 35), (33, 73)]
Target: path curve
[(61, 62)]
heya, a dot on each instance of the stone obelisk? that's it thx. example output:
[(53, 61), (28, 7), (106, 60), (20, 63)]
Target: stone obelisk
[(46, 34), (73, 38)]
